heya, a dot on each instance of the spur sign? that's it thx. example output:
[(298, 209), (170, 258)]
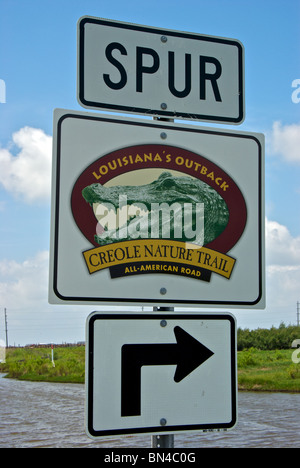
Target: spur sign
[(144, 70)]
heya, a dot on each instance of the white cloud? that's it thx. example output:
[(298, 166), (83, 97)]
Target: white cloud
[(281, 247), (285, 141), (27, 282), (283, 267), (282, 287), (28, 174), (24, 284)]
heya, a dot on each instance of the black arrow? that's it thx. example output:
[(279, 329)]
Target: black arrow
[(187, 354)]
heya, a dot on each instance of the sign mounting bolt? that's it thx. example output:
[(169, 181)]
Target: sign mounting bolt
[(164, 39), (163, 106), (163, 135), (163, 291), (163, 422)]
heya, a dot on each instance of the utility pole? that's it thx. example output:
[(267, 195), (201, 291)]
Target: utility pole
[(298, 312), (6, 334)]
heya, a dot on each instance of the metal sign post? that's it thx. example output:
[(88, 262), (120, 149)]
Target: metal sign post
[(163, 440), (157, 214)]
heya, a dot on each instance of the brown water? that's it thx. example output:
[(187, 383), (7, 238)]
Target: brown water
[(40, 414)]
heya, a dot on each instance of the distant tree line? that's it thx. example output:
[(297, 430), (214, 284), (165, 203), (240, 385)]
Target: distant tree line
[(268, 339)]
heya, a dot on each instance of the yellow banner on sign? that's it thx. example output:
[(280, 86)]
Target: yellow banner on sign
[(159, 250)]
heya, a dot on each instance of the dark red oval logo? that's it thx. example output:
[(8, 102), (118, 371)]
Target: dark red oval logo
[(177, 174)]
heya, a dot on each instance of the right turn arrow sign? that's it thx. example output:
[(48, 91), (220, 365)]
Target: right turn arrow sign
[(187, 354)]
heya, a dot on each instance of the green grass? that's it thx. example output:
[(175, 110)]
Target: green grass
[(271, 371), (36, 364), (257, 370)]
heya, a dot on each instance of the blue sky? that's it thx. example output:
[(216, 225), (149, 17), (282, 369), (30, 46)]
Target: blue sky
[(38, 47)]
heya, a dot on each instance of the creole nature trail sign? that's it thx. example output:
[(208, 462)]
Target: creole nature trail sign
[(135, 201)]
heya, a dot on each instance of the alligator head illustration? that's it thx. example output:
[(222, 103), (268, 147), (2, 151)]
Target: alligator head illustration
[(179, 208)]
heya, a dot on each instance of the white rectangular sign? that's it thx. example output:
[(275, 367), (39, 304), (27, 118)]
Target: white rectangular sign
[(160, 373), (144, 70), (148, 212)]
